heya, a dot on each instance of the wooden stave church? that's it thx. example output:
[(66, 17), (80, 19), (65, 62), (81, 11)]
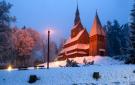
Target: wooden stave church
[(81, 43)]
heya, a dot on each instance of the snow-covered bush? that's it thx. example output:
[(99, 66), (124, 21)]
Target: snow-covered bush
[(22, 68), (86, 63), (33, 79), (120, 57), (130, 60), (96, 75), (71, 63), (133, 71)]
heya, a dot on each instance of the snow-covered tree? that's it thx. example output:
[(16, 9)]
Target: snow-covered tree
[(113, 38), (118, 41), (24, 42), (5, 18), (125, 40), (62, 41), (5, 33), (131, 58), (53, 50)]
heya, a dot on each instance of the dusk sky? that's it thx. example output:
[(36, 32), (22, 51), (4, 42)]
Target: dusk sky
[(59, 14)]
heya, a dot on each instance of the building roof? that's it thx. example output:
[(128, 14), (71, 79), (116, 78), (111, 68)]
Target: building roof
[(77, 16), (77, 20), (70, 40), (76, 46), (97, 27)]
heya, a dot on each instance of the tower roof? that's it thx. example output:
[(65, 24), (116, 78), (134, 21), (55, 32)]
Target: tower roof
[(77, 16), (97, 27)]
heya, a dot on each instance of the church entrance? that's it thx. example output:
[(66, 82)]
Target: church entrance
[(102, 53)]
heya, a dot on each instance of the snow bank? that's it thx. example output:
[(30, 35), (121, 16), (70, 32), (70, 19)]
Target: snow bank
[(54, 64), (98, 60)]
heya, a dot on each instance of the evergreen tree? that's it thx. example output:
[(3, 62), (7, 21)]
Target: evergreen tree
[(131, 58), (5, 18), (125, 41), (108, 29), (113, 38), (116, 38), (5, 33)]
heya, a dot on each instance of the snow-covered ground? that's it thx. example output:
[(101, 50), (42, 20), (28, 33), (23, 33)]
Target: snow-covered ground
[(98, 60), (113, 73), (110, 75)]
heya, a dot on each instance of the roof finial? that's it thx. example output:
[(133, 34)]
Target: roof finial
[(77, 3), (77, 15), (96, 12)]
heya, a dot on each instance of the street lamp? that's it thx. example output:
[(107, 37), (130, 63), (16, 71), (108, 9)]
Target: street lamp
[(48, 54), (48, 32)]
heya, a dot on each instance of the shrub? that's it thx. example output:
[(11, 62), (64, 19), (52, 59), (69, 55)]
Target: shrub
[(74, 84), (33, 79), (22, 68), (89, 63), (71, 63), (133, 71), (85, 61), (96, 75), (130, 60)]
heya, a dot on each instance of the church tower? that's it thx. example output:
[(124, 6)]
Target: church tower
[(78, 43), (97, 39), (77, 24)]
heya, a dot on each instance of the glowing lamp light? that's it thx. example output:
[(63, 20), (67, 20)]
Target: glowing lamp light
[(9, 68), (49, 29), (37, 67)]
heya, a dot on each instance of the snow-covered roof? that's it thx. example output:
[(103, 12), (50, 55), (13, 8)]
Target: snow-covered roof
[(97, 27), (75, 38), (80, 52), (77, 46), (79, 23)]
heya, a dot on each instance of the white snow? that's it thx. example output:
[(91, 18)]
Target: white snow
[(98, 60), (114, 73), (110, 75)]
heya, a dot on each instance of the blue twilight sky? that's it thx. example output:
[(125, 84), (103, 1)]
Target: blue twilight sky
[(59, 14)]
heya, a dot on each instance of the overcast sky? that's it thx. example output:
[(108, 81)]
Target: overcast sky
[(59, 14)]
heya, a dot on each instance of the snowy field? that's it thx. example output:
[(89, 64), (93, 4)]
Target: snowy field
[(111, 74)]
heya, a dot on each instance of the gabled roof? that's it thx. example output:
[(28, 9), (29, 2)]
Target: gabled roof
[(76, 46), (70, 40), (78, 25), (97, 27)]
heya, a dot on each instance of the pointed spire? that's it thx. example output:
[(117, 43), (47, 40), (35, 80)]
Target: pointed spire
[(97, 18), (77, 15), (97, 27)]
